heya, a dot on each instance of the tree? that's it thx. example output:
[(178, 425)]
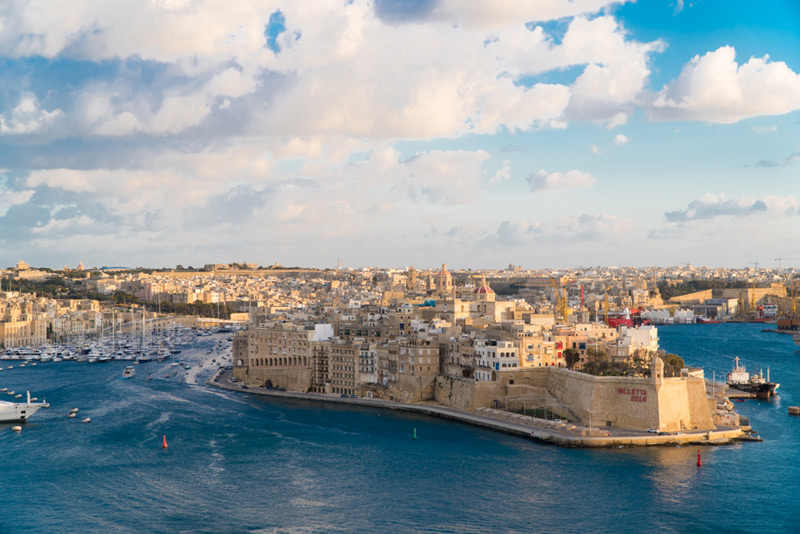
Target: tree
[(673, 365), (594, 355), (571, 357)]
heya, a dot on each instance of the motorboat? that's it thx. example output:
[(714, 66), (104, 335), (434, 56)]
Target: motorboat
[(12, 412), (129, 372)]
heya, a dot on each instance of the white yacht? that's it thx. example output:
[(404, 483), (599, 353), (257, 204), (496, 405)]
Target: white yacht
[(11, 412), (129, 372)]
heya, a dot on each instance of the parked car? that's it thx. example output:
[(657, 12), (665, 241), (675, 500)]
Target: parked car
[(652, 430)]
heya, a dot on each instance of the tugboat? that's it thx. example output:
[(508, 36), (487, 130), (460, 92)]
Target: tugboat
[(740, 379)]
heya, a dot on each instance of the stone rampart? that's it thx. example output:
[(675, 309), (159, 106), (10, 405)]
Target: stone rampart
[(293, 379), (665, 404)]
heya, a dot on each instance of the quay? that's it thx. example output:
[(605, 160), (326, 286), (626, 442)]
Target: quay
[(541, 430)]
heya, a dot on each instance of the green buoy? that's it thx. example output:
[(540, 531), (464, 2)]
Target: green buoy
[(415, 433)]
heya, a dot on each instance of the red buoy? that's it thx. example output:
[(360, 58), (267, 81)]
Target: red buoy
[(164, 446), (699, 463)]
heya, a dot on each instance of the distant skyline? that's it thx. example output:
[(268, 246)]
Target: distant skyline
[(549, 133)]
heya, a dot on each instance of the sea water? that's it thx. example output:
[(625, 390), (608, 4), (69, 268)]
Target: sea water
[(237, 463)]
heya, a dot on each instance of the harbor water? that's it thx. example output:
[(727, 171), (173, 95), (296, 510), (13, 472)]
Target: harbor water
[(237, 463)]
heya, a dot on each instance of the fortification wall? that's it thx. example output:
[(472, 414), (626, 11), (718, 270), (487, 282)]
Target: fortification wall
[(607, 401), (467, 394), (699, 404), (675, 412), (293, 379), (669, 404)]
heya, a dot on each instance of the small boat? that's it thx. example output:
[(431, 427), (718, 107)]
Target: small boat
[(71, 415), (87, 420), (129, 372), (73, 410)]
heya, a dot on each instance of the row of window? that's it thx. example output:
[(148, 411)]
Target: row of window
[(280, 362)]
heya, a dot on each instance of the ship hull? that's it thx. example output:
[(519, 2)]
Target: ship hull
[(11, 412), (761, 391)]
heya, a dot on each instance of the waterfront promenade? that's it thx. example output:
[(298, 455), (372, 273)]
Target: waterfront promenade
[(541, 430)]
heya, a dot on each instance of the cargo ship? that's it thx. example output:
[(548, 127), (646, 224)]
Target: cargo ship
[(740, 379)]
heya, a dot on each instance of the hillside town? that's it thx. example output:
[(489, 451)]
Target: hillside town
[(473, 340)]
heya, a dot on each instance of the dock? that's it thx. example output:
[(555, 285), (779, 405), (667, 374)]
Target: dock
[(736, 394), (794, 410)]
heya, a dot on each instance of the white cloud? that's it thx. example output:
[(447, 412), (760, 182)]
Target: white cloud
[(28, 118), (502, 174), (714, 88), (341, 70), (764, 129), (711, 206), (498, 14), (620, 139), (9, 199), (582, 228), (616, 71), (443, 177), (594, 149), (617, 120), (80, 223), (549, 181)]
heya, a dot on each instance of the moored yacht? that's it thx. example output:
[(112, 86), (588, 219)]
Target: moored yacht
[(13, 412)]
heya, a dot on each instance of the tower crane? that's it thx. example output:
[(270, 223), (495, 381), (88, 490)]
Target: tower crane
[(780, 260), (557, 302), (564, 302)]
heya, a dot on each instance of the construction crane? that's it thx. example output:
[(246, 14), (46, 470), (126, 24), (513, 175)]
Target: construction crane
[(780, 260), (560, 306), (557, 302), (564, 302)]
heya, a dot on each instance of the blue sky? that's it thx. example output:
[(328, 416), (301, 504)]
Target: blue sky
[(548, 133)]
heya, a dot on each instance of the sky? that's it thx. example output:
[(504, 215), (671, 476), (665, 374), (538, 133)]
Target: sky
[(539, 133)]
